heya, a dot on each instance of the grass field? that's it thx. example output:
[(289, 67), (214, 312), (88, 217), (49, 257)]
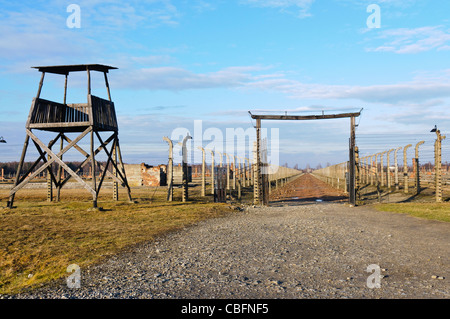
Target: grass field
[(434, 211), (39, 239)]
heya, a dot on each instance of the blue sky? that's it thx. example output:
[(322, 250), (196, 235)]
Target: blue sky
[(181, 61)]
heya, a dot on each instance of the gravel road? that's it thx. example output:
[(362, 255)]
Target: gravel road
[(306, 250)]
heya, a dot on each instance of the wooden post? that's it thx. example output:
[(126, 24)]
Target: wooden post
[(115, 184), (88, 80), (124, 176), (358, 176), (60, 171), (94, 186), (107, 86), (405, 168), (258, 161), (169, 170), (49, 181), (65, 89), (256, 184), (41, 82), (352, 190)]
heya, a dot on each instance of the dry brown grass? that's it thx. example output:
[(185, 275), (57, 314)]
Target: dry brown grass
[(433, 211), (39, 239)]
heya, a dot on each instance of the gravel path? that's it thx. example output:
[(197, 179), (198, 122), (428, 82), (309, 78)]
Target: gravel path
[(308, 250)]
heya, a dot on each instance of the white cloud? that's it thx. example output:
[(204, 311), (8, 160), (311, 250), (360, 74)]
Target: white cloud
[(425, 89), (176, 79), (410, 41), (389, 93), (301, 7)]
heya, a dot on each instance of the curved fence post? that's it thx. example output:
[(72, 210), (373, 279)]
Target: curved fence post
[(169, 170), (405, 168)]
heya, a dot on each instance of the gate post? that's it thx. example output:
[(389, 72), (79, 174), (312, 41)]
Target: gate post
[(352, 190)]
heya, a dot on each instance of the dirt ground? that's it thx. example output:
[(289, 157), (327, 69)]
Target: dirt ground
[(307, 188)]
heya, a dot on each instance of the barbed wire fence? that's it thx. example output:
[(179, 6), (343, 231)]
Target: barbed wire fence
[(397, 168)]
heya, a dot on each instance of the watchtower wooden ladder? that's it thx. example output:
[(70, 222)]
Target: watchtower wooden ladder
[(87, 119)]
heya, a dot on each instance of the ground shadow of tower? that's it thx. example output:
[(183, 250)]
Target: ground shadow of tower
[(86, 119)]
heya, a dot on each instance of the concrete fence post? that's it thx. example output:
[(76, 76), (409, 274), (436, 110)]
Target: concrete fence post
[(389, 179), (417, 168), (228, 171), (185, 181), (405, 168), (247, 175), (203, 171), (372, 169), (368, 158), (438, 165), (220, 159), (382, 168), (239, 170), (212, 172), (397, 187), (377, 174), (234, 171), (169, 170)]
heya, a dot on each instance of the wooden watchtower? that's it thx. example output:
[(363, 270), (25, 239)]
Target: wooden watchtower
[(84, 119)]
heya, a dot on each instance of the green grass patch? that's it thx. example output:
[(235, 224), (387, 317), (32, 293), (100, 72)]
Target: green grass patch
[(434, 211), (40, 239)]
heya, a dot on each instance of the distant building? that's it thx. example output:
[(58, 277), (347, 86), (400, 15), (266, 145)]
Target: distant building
[(147, 175)]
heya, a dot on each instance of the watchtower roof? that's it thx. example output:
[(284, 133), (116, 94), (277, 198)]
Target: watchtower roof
[(66, 69)]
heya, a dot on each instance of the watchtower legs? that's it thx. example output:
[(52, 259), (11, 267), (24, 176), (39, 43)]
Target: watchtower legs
[(114, 158)]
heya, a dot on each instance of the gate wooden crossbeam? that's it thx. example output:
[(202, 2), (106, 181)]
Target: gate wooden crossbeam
[(352, 147)]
